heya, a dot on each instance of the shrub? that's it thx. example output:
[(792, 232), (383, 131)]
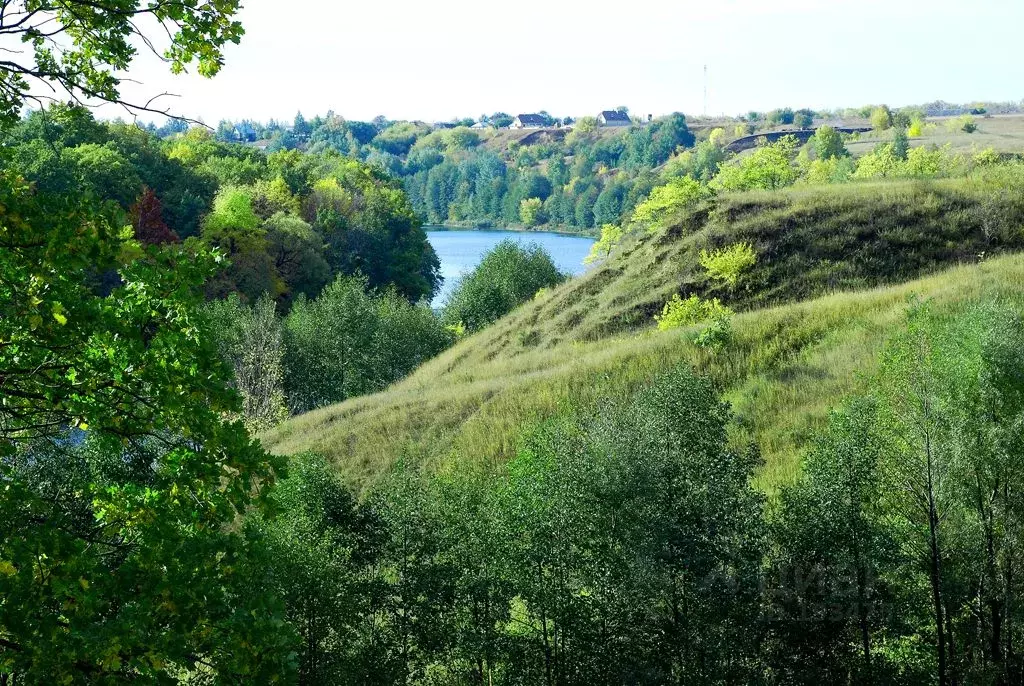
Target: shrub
[(986, 157), (834, 170), (352, 340), (727, 264), (964, 123), (508, 275), (693, 310), (828, 143), (879, 163), (803, 119), (678, 313)]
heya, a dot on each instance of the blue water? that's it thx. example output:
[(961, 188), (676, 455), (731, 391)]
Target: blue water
[(460, 251)]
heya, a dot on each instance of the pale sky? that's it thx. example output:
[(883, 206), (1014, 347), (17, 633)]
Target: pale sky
[(414, 59)]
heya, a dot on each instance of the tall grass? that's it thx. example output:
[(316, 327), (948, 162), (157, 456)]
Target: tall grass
[(783, 369)]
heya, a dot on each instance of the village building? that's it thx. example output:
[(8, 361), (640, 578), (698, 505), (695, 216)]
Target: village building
[(613, 118), (528, 121)]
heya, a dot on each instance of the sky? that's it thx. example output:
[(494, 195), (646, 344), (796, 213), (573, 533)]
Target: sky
[(433, 61)]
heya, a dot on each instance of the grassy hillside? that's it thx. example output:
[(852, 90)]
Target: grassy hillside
[(591, 339), (809, 241), (1004, 133)]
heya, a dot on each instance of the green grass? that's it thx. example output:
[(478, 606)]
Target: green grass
[(809, 241), (785, 367), (814, 312), (1004, 133)]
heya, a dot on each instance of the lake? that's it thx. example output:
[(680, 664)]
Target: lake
[(461, 250)]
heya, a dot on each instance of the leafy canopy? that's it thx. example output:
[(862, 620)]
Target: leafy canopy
[(78, 46)]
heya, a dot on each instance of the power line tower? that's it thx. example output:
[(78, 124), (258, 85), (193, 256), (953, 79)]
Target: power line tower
[(705, 91)]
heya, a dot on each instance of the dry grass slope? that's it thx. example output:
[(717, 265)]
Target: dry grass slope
[(783, 370), (815, 313)]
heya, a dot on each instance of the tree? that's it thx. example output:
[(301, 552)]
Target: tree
[(121, 473), (323, 547), (147, 220), (828, 143), (78, 46), (900, 143), (803, 119), (835, 546), (881, 118), (611, 235), (250, 341), (350, 341), (508, 275), (768, 168), (665, 201), (530, 211), (297, 252)]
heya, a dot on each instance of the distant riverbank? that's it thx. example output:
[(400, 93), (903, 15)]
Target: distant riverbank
[(473, 226)]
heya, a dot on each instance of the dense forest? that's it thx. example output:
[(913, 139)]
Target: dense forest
[(168, 296), (574, 174)]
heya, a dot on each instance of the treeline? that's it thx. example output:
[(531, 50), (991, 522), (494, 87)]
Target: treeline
[(698, 175), (288, 222), (580, 180), (581, 177), (586, 180), (628, 545)]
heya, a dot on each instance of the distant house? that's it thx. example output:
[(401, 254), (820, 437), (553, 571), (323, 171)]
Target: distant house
[(245, 133), (479, 125), (613, 118), (443, 125), (528, 121)]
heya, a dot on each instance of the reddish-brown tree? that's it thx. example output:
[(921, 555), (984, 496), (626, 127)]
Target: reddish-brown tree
[(147, 218)]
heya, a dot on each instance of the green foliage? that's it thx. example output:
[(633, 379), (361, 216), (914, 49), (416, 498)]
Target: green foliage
[(101, 43), (530, 211), (693, 310), (828, 143), (507, 276), (121, 474), (232, 215), (611, 235), (350, 341), (769, 167), (298, 254), (321, 550), (668, 200), (881, 118), (803, 119), (398, 138), (908, 487), (830, 171), (702, 162), (569, 560), (250, 341), (880, 163), (900, 143), (964, 123), (727, 264)]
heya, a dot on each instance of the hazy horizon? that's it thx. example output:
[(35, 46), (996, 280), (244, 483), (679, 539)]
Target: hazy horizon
[(455, 59)]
